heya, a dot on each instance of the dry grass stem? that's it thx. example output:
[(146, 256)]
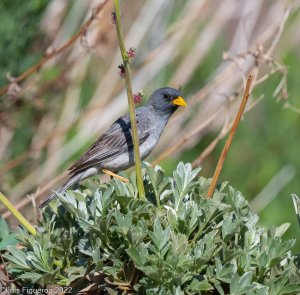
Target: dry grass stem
[(230, 137)]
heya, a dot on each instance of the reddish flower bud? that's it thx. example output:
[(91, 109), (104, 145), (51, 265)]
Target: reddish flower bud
[(121, 71), (137, 97), (131, 53)]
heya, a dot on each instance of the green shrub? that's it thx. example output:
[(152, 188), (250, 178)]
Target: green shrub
[(178, 242)]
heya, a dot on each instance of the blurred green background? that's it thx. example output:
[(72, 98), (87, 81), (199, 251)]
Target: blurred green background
[(58, 111)]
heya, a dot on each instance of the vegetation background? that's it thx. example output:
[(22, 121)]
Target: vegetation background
[(205, 47)]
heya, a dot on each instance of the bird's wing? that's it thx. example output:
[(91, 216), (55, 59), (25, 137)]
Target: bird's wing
[(115, 141)]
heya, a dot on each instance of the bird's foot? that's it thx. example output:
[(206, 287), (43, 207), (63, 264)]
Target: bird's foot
[(115, 175)]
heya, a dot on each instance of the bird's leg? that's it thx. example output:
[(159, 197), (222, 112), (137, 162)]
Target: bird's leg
[(114, 175)]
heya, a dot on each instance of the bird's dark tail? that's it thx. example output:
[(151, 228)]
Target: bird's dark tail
[(64, 187)]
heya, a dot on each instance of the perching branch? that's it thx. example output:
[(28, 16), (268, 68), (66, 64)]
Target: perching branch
[(135, 139), (230, 137), (58, 51)]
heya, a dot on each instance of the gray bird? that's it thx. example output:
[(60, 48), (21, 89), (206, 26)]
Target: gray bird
[(113, 150)]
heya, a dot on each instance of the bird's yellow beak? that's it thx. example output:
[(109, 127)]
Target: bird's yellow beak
[(179, 101)]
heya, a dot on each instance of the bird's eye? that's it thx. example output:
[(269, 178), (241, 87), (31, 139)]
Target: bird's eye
[(166, 96)]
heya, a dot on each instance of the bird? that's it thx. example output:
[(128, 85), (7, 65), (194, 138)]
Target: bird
[(113, 150)]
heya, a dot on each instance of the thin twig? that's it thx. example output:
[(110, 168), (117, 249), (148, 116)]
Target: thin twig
[(287, 105), (37, 194), (280, 29), (177, 146), (134, 131), (230, 137), (10, 164), (58, 51), (226, 128), (213, 144)]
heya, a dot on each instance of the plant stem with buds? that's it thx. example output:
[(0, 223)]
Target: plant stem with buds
[(135, 139)]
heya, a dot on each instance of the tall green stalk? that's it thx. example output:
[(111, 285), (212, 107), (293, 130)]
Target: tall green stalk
[(17, 214), (135, 139)]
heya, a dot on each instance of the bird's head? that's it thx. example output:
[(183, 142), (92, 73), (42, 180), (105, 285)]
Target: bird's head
[(166, 100)]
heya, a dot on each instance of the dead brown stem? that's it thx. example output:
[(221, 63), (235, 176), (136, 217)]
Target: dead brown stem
[(230, 137)]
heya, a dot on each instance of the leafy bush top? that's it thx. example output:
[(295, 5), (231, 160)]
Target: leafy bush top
[(177, 242)]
